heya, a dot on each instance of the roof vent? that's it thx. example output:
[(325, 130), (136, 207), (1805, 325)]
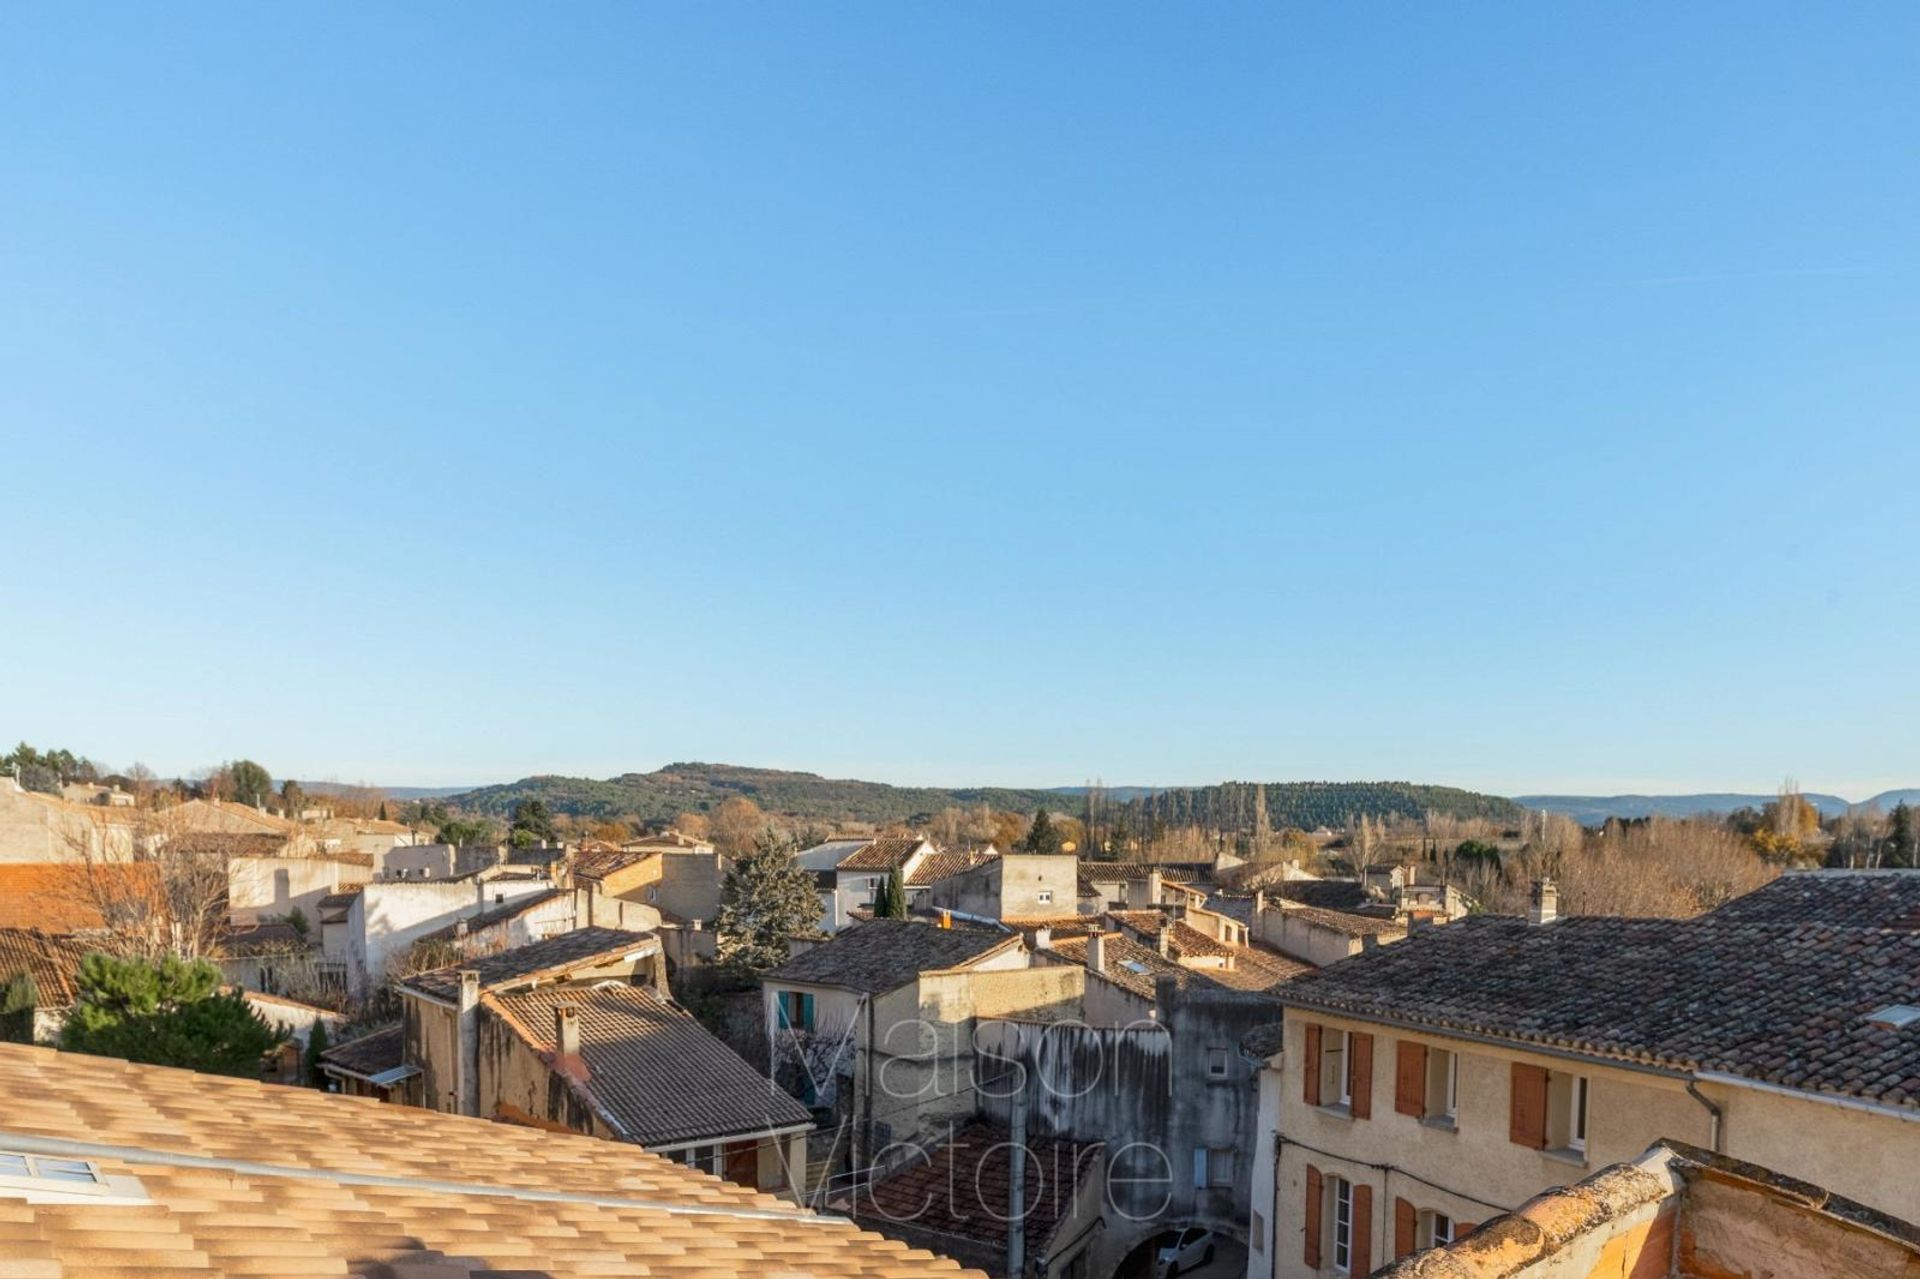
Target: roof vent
[(1895, 1016), (57, 1179)]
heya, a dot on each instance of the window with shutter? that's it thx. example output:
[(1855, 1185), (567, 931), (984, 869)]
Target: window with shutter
[(1527, 1106), (1410, 1079), (1310, 1068), (1405, 1221), (1360, 1074), (1315, 1208), (1362, 1230)]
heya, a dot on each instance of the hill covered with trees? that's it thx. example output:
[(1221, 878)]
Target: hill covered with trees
[(1257, 807), (694, 787), (697, 787)]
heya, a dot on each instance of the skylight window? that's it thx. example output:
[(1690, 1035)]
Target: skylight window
[(1134, 966), (1895, 1016), (47, 1168)]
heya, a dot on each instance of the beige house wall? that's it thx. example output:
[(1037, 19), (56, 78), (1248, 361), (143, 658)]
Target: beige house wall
[(1473, 1170), (270, 887)]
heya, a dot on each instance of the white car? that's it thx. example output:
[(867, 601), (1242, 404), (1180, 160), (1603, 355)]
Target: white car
[(1191, 1247)]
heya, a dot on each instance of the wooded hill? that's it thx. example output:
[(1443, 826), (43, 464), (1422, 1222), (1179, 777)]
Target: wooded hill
[(693, 787), (1243, 807), (681, 788)]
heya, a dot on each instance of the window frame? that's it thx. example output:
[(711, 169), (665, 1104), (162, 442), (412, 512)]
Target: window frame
[(1430, 1233), (1341, 1210), (1577, 1114), (1336, 1046), (1216, 1180), (1219, 1056)]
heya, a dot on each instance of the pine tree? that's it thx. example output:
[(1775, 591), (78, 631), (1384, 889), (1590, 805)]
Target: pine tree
[(1042, 837), (889, 902), (765, 899), (17, 1003), (316, 1044), (169, 1012)]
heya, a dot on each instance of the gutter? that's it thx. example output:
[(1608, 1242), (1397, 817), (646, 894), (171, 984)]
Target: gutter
[(1495, 1041), (1907, 1113), (1716, 1119), (140, 1156)]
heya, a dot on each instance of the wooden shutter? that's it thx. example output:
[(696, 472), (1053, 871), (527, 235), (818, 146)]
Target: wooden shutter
[(1461, 1229), (1362, 1230), (1406, 1225), (1360, 1074), (1311, 1079), (1312, 1217), (1527, 1106), (1410, 1078)]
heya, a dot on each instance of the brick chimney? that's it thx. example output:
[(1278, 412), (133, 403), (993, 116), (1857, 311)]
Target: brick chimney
[(1097, 953), (1546, 902)]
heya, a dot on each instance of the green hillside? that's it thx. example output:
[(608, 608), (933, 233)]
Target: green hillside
[(1234, 806), (680, 788), (693, 787)]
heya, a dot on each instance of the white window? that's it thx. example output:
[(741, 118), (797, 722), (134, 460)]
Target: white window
[(1567, 1112), (1578, 1139), (1443, 1084), (1045, 897), (1220, 1166), (47, 1168), (1336, 1089), (1436, 1228), (1216, 1063), (1342, 1225)]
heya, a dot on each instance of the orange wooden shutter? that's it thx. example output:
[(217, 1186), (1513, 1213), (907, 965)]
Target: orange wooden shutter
[(1527, 1107), (1405, 1225), (1312, 1218), (1461, 1229), (1311, 1079), (1410, 1078), (1363, 1230), (1360, 1074)]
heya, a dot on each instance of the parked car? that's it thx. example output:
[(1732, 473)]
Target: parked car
[(1191, 1247)]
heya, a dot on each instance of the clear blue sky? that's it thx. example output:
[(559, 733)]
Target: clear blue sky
[(1522, 397)]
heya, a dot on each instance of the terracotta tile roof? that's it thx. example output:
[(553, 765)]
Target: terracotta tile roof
[(879, 854), (962, 1188), (1341, 921), (381, 1050), (220, 843), (1135, 967), (552, 958), (652, 1071), (885, 954), (1780, 1003), (306, 1184), (942, 865), (56, 897), (1857, 899), (52, 961), (1327, 894), (264, 939), (1171, 872), (594, 865), (1129, 965)]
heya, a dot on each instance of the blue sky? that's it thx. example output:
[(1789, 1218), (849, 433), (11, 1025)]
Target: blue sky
[(1521, 397)]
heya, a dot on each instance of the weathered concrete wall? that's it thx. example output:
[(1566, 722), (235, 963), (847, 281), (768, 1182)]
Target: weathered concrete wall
[(387, 917), (415, 861), (432, 1035), (44, 828), (516, 1084), (270, 887), (1871, 1158), (1727, 1229), (1290, 931), (1015, 886), (690, 885)]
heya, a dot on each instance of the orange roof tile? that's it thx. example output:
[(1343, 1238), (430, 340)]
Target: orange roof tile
[(239, 1177)]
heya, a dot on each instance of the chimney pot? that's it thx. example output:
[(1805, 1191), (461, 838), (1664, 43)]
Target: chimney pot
[(1043, 939)]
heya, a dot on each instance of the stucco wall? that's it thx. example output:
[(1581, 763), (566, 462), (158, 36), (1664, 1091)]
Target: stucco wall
[(433, 1044), (1473, 1170), (1289, 931), (387, 916), (690, 885), (40, 828), (270, 887)]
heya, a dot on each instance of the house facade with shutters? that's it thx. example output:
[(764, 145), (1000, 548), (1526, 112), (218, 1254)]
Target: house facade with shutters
[(1425, 1087)]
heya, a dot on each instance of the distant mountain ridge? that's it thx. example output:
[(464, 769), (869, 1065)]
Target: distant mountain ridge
[(1591, 810), (697, 787)]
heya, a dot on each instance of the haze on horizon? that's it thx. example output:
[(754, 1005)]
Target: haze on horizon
[(954, 397)]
